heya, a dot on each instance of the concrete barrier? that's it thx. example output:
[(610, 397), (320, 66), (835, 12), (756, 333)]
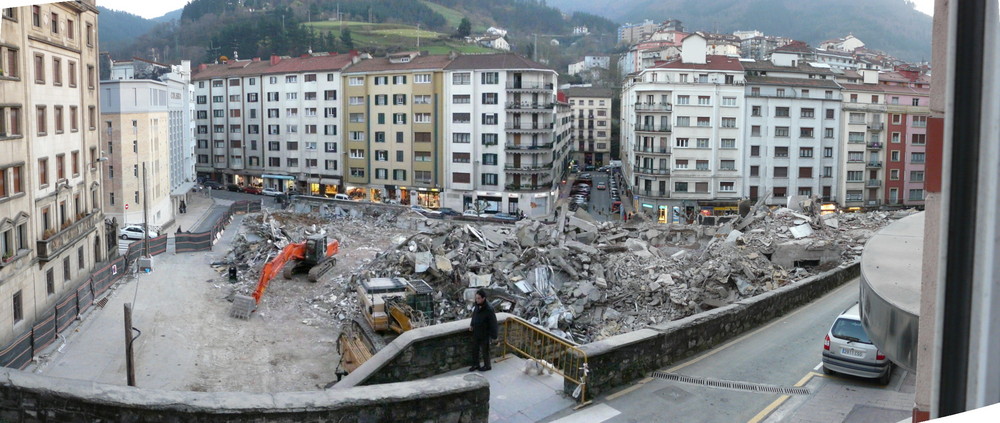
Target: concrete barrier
[(28, 397), (623, 359)]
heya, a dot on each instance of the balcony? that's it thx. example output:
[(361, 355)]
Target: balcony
[(873, 202), (529, 86), (874, 164), (873, 183), (651, 150), (654, 107), (651, 171), (528, 127), (528, 106), (528, 187), (652, 128), (546, 146), (651, 193), (534, 168), (874, 146), (876, 126), (50, 247)]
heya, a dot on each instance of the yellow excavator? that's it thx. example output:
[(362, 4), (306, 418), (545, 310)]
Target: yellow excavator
[(388, 305)]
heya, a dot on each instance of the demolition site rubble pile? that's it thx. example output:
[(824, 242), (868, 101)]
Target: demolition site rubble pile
[(583, 280)]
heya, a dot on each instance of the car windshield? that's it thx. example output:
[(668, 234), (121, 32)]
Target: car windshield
[(850, 329)]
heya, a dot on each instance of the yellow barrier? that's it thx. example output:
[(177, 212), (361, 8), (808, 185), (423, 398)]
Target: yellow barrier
[(564, 358)]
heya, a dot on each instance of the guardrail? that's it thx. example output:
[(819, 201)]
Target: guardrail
[(560, 355)]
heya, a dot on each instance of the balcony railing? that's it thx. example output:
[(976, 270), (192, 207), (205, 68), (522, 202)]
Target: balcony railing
[(875, 126), (873, 183), (50, 247), (529, 126), (528, 167), (529, 146), (524, 105), (528, 187), (528, 86), (652, 128), (654, 107), (874, 164), (651, 150), (651, 193), (874, 146), (872, 202), (650, 171)]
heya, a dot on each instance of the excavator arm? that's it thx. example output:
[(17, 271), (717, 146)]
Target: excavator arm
[(294, 251)]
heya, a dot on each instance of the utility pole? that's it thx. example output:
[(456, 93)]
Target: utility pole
[(129, 361)]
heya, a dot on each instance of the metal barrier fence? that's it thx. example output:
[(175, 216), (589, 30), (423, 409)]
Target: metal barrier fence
[(525, 339)]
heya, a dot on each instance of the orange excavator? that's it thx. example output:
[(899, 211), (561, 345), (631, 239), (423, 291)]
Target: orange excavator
[(314, 255)]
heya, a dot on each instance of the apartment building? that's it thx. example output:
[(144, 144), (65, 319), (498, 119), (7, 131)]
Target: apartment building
[(51, 231), (681, 133), (591, 109), (907, 94), (506, 137), (135, 121), (394, 127), (793, 130), (272, 123), (863, 123)]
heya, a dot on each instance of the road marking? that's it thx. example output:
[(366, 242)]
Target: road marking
[(629, 389), (781, 400), (818, 366), (730, 343), (595, 414)]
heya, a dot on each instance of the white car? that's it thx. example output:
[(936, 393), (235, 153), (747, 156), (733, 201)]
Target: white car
[(270, 192), (848, 350), (472, 213), (423, 210), (135, 232)]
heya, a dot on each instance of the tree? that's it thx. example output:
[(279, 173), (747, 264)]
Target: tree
[(345, 38), (464, 28)]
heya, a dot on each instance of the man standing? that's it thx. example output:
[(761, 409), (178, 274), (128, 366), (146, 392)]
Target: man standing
[(484, 329)]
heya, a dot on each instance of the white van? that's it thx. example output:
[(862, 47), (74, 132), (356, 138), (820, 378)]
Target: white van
[(341, 197)]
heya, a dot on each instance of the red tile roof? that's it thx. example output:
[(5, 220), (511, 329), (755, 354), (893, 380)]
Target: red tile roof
[(436, 62), (311, 63), (230, 69), (712, 62)]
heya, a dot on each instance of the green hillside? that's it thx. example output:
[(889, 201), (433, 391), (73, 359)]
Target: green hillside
[(381, 36)]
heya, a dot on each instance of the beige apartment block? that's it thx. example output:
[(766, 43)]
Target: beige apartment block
[(134, 125), (393, 129), (51, 236), (591, 109)]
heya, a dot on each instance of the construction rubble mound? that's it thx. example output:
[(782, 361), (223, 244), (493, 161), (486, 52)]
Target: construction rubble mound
[(580, 278)]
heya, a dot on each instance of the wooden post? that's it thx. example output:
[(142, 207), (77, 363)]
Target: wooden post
[(129, 362)]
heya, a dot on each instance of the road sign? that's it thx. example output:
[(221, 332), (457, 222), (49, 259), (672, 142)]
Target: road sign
[(126, 206), (635, 197)]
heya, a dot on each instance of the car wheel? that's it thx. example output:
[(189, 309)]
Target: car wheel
[(827, 371), (124, 236), (886, 377)]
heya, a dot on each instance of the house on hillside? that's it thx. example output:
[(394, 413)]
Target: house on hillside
[(848, 44)]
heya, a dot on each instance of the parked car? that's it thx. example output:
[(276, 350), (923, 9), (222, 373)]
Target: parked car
[(472, 213), (848, 350), (448, 211), (233, 188), (585, 177), (505, 216), (602, 186), (341, 197), (423, 210), (135, 232), (252, 190), (270, 192), (212, 185)]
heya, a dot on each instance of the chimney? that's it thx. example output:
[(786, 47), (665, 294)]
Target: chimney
[(256, 59), (202, 67), (275, 60)]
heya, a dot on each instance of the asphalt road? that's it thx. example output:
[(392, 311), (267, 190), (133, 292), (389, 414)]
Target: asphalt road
[(782, 353), (599, 204)]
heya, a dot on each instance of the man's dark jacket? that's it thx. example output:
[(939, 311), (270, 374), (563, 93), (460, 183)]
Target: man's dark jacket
[(484, 322)]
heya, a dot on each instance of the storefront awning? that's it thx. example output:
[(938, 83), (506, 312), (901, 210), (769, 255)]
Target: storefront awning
[(266, 176), (182, 189)]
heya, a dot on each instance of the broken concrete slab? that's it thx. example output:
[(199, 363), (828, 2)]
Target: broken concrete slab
[(801, 231)]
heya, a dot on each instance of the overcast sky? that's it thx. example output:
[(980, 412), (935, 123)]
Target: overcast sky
[(157, 8)]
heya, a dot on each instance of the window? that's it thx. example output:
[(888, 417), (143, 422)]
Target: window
[(399, 157), (727, 186), (916, 176), (422, 78), (915, 102), (381, 156), (90, 34), (489, 119), (854, 175), (805, 152), (291, 96), (681, 142), (310, 77), (55, 23), (701, 165), (490, 179), (827, 171), (919, 139), (461, 118), (272, 96), (380, 100), (39, 69), (461, 138), (75, 163), (754, 151), (781, 111), (916, 195), (808, 113), (702, 143), (728, 101), (894, 155), (421, 137), (56, 71), (329, 129), (292, 162), (489, 159), (780, 151), (381, 173), (218, 99), (399, 80), (805, 132), (916, 158), (780, 172), (399, 138), (58, 117), (680, 164), (683, 121), (754, 170), (755, 130), (422, 99), (399, 118), (18, 311), (680, 187), (423, 156), (805, 172), (292, 145), (704, 100), (490, 98), (421, 118), (855, 138), (781, 131), (330, 147), (460, 157), (490, 77), (461, 177), (330, 95), (357, 153), (463, 78), (827, 152), (830, 114), (399, 175), (329, 112), (683, 99), (356, 117), (828, 133), (273, 146), (855, 156), (43, 171), (40, 118), (704, 121), (728, 143), (727, 165), (727, 122), (399, 99), (330, 164), (355, 81), (754, 110), (310, 96), (357, 135)]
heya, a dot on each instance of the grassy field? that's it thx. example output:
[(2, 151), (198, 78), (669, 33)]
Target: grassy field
[(377, 35), (453, 16)]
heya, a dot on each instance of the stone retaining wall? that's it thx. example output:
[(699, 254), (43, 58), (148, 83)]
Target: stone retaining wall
[(623, 359), (26, 397)]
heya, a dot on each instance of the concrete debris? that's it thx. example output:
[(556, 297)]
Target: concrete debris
[(580, 278)]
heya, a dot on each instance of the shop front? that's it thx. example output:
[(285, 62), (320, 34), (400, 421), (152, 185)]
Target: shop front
[(356, 193), (429, 198), (283, 183), (322, 187)]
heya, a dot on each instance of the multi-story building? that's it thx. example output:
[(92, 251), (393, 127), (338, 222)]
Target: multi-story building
[(51, 222), (907, 107), (591, 108), (395, 127), (863, 141), (792, 131), (271, 123), (503, 97), (630, 33), (135, 122), (681, 133)]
